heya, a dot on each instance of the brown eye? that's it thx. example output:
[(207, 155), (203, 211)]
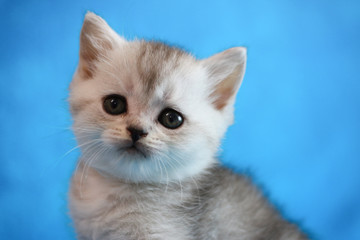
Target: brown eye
[(170, 118), (114, 104)]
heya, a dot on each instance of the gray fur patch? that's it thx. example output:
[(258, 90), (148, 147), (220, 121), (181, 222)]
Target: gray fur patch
[(154, 60)]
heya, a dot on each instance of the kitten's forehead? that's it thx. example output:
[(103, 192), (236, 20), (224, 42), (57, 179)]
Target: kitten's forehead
[(155, 61)]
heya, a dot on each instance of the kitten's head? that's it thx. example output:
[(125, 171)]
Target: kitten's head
[(144, 111)]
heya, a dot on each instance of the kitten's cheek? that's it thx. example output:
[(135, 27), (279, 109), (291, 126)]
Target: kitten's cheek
[(109, 138), (108, 143)]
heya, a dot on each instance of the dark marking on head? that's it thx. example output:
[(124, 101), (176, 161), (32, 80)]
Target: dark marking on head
[(155, 59)]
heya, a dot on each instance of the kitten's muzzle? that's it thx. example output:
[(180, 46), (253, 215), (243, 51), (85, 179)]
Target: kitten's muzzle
[(136, 133)]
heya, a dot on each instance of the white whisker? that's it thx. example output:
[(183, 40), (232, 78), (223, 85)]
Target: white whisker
[(87, 163), (79, 146)]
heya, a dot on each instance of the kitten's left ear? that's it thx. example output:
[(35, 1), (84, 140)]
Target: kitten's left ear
[(226, 71)]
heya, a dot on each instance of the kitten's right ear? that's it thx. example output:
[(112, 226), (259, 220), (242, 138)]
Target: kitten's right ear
[(96, 39), (226, 71)]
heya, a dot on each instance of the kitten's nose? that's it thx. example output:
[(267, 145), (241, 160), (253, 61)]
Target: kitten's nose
[(136, 133)]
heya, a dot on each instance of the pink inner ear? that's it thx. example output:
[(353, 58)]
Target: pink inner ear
[(86, 70), (227, 88), (223, 98)]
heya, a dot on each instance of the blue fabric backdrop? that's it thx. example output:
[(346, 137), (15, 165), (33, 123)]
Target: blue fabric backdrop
[(297, 127)]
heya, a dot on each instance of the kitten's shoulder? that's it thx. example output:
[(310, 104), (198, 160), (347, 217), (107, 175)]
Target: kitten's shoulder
[(231, 192), (224, 178), (235, 200)]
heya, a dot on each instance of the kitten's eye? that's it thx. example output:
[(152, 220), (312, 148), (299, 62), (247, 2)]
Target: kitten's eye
[(170, 118), (114, 104)]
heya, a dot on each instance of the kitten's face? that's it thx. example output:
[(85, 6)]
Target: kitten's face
[(144, 111)]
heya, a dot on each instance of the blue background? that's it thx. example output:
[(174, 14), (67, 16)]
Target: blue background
[(297, 127)]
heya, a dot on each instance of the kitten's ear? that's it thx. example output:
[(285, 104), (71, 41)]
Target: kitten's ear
[(226, 71), (96, 39)]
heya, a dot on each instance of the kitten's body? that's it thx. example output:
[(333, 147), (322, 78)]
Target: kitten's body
[(141, 178), (216, 205)]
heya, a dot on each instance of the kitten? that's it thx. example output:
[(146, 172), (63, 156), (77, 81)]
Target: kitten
[(149, 119)]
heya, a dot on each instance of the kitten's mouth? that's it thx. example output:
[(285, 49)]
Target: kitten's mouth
[(133, 150)]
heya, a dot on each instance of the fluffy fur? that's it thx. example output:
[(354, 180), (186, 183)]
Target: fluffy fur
[(170, 186)]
